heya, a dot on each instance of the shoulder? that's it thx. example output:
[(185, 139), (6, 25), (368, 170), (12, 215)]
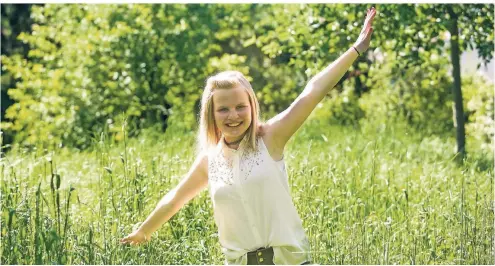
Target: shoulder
[(201, 161), (275, 148), (266, 132)]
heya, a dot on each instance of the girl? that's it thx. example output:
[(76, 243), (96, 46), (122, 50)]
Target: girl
[(241, 162)]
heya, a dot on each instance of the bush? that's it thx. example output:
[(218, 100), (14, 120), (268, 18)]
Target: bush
[(340, 108), (478, 106), (420, 95)]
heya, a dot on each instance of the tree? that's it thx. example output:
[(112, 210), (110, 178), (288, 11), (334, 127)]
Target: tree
[(15, 19), (91, 66), (311, 36), (469, 26)]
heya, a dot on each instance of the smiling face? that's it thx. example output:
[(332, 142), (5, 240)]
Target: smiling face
[(228, 99), (232, 112)]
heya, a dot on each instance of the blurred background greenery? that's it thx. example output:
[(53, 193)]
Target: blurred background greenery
[(72, 72)]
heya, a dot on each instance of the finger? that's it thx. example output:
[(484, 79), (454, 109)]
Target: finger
[(370, 13), (126, 242), (369, 20), (367, 27), (373, 13), (371, 16), (128, 237), (362, 30)]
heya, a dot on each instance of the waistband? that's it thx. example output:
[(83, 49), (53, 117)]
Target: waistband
[(261, 256)]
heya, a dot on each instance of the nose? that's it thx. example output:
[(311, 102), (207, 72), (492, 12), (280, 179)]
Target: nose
[(233, 115)]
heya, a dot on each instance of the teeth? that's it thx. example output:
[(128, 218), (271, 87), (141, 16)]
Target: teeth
[(233, 125)]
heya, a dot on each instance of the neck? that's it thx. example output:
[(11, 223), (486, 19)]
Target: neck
[(233, 142)]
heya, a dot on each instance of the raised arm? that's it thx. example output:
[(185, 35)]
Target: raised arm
[(280, 128), (189, 187)]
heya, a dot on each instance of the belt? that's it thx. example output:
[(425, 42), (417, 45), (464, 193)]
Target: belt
[(261, 256)]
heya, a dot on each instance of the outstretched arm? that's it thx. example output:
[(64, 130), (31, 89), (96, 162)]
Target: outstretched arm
[(320, 84), (189, 187), (284, 125)]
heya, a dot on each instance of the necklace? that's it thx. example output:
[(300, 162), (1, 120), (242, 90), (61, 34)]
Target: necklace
[(233, 142)]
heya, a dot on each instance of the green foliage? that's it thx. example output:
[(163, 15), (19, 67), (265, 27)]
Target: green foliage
[(418, 27), (107, 62), (15, 19), (419, 94), (143, 63), (479, 96), (92, 67), (340, 108)]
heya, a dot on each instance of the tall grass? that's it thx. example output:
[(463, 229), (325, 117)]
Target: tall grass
[(371, 195)]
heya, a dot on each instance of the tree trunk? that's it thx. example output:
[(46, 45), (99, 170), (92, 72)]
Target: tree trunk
[(456, 90)]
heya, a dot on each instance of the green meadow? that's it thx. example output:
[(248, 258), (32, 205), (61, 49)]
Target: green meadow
[(369, 194)]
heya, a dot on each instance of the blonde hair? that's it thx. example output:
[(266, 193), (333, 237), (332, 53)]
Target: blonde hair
[(209, 134)]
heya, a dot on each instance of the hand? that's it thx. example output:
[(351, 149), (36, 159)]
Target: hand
[(135, 238), (363, 41)]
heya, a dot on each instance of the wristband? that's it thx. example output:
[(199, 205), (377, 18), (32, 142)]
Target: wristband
[(356, 51)]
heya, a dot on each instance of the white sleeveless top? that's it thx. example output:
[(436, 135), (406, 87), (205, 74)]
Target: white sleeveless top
[(252, 205)]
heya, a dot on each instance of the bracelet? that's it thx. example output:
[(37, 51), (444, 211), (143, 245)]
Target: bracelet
[(356, 51)]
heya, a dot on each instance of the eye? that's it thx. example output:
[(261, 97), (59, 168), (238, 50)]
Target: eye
[(223, 110), (242, 107)]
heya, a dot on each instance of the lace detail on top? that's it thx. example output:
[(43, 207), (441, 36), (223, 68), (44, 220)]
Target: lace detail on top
[(249, 160), (220, 166)]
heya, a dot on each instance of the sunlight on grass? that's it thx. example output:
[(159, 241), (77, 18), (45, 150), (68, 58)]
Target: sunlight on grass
[(370, 195)]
